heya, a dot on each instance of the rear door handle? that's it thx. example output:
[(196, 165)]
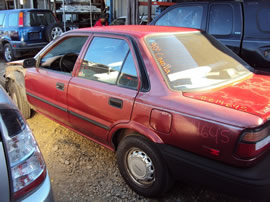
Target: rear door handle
[(60, 86), (115, 102)]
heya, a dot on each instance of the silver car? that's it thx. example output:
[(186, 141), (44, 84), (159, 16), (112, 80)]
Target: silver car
[(23, 173)]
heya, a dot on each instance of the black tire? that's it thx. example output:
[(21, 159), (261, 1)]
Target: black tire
[(138, 156), (8, 53), (17, 97), (53, 31)]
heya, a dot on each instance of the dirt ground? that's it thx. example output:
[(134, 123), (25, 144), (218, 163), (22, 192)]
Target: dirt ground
[(81, 170)]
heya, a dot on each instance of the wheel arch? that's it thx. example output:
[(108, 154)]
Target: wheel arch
[(120, 131), (16, 74)]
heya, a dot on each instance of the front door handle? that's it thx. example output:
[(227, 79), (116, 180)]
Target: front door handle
[(60, 86), (115, 102)]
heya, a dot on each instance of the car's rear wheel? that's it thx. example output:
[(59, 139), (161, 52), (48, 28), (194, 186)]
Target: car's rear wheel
[(8, 53), (142, 167), (53, 31), (17, 97)]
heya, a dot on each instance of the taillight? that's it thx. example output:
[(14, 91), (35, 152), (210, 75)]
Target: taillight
[(254, 142), (20, 19), (27, 167)]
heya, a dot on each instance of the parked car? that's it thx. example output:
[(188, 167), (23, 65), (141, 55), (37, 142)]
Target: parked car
[(174, 103), (26, 30), (122, 20), (243, 26), (23, 175)]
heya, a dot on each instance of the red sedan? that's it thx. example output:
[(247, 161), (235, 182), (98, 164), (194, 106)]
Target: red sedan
[(172, 102)]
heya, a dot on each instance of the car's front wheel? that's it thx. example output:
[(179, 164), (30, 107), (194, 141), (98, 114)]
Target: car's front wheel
[(17, 97), (142, 167), (8, 53)]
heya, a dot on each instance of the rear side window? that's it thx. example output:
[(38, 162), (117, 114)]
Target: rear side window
[(109, 60), (263, 18), (2, 16), (39, 18), (13, 19), (221, 20), (188, 16)]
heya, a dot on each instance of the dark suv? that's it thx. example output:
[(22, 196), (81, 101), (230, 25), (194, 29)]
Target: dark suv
[(243, 26), (26, 31)]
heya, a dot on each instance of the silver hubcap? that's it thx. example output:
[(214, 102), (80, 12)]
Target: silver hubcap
[(56, 31), (140, 167), (8, 54)]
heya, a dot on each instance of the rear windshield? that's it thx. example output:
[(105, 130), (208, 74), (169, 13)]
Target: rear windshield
[(193, 61), (37, 18)]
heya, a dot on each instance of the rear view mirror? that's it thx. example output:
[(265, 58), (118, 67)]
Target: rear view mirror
[(29, 62)]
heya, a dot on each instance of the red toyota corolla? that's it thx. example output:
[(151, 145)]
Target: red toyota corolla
[(172, 102)]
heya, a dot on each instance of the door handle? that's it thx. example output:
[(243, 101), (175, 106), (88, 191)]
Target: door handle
[(116, 102), (60, 86)]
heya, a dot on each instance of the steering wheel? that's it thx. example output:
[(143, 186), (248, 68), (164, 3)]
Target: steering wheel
[(67, 62)]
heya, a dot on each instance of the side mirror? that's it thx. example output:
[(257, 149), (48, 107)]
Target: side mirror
[(29, 62)]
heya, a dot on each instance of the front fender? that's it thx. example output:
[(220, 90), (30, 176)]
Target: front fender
[(16, 73)]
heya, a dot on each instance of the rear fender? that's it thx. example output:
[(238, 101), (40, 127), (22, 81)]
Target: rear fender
[(131, 128)]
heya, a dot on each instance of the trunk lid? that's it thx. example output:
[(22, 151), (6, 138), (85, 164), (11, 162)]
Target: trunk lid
[(251, 95)]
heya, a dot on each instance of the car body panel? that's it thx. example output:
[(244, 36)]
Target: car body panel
[(44, 95), (4, 185)]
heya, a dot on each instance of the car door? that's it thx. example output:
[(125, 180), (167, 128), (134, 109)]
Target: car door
[(225, 24), (46, 85), (103, 91)]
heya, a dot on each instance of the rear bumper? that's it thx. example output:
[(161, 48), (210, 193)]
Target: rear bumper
[(23, 47), (250, 183), (42, 193)]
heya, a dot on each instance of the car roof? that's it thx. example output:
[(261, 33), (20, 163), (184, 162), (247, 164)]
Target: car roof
[(136, 30), (25, 9)]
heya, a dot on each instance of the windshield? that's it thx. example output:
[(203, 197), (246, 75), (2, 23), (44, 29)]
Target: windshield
[(192, 61)]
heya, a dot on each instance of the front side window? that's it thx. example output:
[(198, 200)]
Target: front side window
[(13, 19), (109, 60), (193, 61), (221, 20), (188, 16), (63, 56)]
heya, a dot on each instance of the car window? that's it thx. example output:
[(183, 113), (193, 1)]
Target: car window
[(69, 47), (13, 20), (188, 16), (221, 20), (195, 61), (263, 17), (104, 60), (128, 76), (119, 21), (35, 18), (2, 16)]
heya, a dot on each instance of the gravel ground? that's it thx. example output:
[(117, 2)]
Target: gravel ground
[(81, 170)]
